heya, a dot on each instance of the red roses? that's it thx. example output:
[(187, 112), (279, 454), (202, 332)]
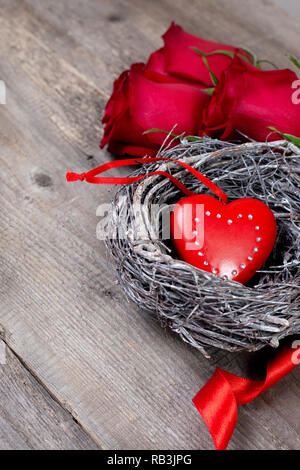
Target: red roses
[(251, 100), (173, 88), (138, 104)]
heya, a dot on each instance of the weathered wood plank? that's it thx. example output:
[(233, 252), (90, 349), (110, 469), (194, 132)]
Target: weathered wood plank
[(127, 381), (29, 417)]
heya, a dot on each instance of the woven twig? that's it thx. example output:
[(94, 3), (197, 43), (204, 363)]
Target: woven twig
[(202, 308)]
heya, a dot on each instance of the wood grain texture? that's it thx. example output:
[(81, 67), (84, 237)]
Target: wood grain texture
[(128, 382), (30, 418)]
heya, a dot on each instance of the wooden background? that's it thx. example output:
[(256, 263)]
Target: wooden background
[(84, 368)]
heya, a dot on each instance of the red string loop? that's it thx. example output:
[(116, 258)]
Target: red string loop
[(92, 175)]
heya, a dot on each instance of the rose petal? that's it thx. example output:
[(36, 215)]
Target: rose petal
[(162, 105), (184, 62)]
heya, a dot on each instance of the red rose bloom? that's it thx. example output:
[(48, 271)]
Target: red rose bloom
[(164, 92), (138, 104), (250, 100), (178, 60), (155, 68)]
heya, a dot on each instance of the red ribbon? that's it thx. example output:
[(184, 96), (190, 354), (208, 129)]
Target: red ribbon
[(91, 176), (218, 400)]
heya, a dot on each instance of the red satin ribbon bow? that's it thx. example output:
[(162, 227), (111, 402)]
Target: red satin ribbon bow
[(218, 400)]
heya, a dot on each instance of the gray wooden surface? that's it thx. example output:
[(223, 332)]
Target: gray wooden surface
[(30, 418), (76, 348), (292, 6)]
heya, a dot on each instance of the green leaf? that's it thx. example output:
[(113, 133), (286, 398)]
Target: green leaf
[(193, 139), (245, 58), (291, 138), (294, 61), (222, 52), (189, 139), (250, 54), (230, 54), (160, 130), (265, 61), (203, 55), (209, 91)]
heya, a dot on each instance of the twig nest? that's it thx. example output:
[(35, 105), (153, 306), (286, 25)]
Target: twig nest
[(202, 308)]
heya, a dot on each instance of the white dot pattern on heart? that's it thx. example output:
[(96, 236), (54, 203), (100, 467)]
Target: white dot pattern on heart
[(234, 272)]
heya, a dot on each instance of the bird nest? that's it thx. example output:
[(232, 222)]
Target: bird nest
[(205, 310)]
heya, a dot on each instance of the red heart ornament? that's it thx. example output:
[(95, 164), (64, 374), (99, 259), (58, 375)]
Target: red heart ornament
[(229, 240)]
